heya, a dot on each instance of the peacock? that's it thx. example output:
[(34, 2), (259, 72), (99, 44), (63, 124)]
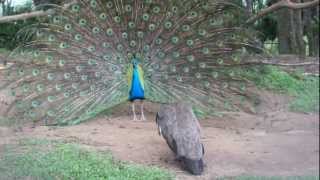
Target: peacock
[(92, 55)]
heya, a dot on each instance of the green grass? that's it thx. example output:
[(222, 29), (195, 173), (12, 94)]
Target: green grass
[(305, 90), (46, 160), (271, 178)]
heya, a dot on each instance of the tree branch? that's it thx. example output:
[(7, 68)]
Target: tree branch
[(282, 4), (23, 16), (29, 15)]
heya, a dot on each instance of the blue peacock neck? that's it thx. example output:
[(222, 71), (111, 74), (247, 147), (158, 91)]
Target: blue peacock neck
[(137, 81)]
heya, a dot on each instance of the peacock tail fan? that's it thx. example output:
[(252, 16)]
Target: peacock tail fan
[(76, 63)]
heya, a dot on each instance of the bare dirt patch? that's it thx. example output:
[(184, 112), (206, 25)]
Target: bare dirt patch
[(273, 142)]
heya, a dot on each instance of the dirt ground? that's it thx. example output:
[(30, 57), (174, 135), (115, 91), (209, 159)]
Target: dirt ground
[(273, 142)]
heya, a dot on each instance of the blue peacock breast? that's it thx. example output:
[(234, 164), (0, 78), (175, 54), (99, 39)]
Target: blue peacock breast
[(136, 90)]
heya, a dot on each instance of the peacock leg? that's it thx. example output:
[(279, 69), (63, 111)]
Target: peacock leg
[(143, 118), (134, 111)]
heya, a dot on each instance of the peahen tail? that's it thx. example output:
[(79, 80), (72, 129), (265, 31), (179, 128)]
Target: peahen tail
[(77, 62)]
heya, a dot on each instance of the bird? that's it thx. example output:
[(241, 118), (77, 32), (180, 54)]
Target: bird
[(136, 85), (93, 55), (178, 125)]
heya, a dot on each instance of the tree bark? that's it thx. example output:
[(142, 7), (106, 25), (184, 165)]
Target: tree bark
[(25, 16), (249, 6), (284, 31), (310, 31), (280, 5), (290, 31)]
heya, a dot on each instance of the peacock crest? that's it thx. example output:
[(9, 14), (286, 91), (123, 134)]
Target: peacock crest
[(79, 58)]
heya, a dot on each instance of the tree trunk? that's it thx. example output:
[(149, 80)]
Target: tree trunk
[(300, 46), (311, 30), (284, 31), (290, 32), (249, 6)]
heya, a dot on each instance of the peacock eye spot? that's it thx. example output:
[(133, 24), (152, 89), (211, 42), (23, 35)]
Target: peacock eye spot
[(109, 32), (152, 27), (159, 41), (119, 47), (198, 75), (51, 38), (215, 75), (193, 14), (35, 72), (131, 25), (191, 58), (145, 17), (175, 9), (205, 51), (133, 43), (140, 34), (75, 8), (67, 76), (35, 104), (31, 114), (146, 48), (220, 61), (51, 113), (61, 63), (202, 65), (207, 84), (96, 30), (128, 8), (161, 55), (93, 3), (175, 40), (68, 27), (109, 4), (63, 45), (82, 22), (103, 16), (78, 37), (91, 49), (106, 45), (117, 19), (190, 42), (39, 33), (66, 94), (56, 19), (185, 28), (156, 9)]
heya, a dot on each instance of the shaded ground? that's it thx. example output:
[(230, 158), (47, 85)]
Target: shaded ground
[(274, 142)]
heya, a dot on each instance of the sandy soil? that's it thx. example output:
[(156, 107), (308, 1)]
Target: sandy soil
[(273, 142)]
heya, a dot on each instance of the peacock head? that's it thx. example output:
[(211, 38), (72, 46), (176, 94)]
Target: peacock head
[(135, 62)]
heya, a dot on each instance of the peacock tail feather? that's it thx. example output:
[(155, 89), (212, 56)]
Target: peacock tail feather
[(78, 61)]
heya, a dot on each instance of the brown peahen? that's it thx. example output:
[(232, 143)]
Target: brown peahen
[(96, 54)]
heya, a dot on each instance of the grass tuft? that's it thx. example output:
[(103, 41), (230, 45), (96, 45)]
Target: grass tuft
[(42, 159)]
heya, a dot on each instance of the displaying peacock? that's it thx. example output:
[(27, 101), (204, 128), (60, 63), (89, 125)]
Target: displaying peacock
[(96, 54)]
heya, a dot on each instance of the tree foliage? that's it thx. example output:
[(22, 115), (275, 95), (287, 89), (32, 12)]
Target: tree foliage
[(9, 30)]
